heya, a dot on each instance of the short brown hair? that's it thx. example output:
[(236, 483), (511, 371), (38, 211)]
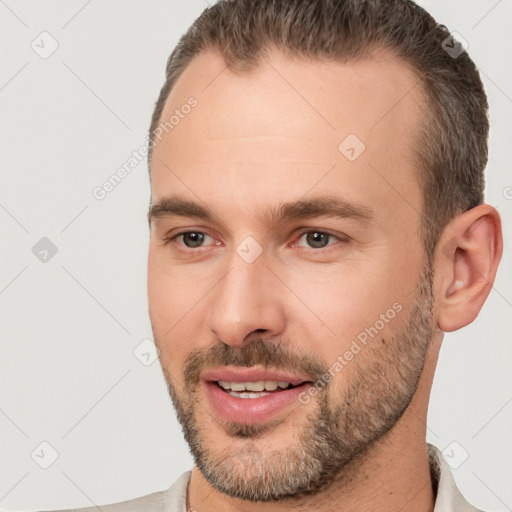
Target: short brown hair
[(451, 150)]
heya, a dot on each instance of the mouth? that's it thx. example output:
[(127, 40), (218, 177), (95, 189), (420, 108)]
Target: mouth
[(251, 395), (253, 389)]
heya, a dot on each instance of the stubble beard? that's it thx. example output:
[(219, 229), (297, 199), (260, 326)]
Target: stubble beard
[(383, 383)]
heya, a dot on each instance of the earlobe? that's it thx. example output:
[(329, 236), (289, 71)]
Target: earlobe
[(467, 259)]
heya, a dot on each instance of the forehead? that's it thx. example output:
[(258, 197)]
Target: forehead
[(286, 125)]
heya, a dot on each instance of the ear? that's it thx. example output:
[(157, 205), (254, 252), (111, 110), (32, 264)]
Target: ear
[(466, 261)]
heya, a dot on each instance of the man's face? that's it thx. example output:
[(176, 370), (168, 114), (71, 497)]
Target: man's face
[(278, 285)]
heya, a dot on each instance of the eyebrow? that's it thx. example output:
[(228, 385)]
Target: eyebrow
[(323, 206)]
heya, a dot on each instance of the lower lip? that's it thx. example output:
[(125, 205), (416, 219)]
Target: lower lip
[(251, 410)]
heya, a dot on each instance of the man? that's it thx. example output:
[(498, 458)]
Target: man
[(317, 223)]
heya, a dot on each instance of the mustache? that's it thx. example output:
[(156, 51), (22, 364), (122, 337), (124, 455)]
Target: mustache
[(271, 355)]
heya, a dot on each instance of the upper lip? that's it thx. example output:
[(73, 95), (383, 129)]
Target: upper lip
[(245, 374)]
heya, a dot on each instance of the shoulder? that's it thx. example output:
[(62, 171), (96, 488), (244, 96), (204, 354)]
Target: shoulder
[(173, 499), (448, 496), (150, 503)]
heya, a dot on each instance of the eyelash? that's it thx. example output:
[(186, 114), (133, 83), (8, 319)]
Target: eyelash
[(339, 238), (342, 238)]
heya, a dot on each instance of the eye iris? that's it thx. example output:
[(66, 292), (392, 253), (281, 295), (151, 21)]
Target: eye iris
[(317, 239), (193, 239)]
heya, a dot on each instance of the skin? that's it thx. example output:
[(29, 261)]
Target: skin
[(255, 141)]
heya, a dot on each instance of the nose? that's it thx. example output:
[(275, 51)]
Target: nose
[(247, 300)]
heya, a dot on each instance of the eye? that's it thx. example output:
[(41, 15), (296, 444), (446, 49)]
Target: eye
[(317, 239), (191, 239)]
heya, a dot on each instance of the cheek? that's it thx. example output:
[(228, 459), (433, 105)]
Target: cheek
[(171, 299), (349, 305), (172, 288)]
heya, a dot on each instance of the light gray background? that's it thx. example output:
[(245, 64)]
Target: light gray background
[(69, 327)]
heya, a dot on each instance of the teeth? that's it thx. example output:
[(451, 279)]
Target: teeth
[(267, 385), (270, 385), (255, 386), (247, 395)]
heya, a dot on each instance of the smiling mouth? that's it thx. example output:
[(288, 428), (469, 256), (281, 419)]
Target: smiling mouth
[(250, 395), (253, 390)]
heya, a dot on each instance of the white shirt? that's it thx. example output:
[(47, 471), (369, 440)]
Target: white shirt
[(174, 499)]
